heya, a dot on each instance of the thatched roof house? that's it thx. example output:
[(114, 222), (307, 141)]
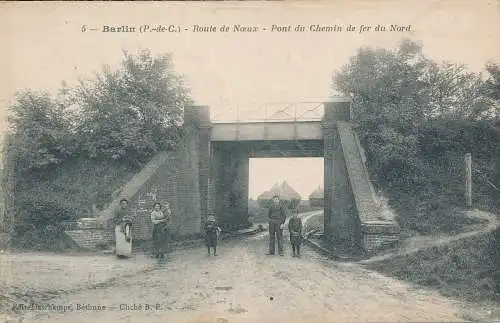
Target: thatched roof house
[(317, 197), (285, 192)]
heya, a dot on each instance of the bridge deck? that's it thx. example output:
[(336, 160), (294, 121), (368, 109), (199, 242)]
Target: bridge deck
[(274, 148), (244, 131)]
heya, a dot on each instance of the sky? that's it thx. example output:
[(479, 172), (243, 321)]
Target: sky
[(227, 71), (305, 175)]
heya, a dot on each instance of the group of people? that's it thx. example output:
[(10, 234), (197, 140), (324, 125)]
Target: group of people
[(161, 216), (277, 219), (160, 219)]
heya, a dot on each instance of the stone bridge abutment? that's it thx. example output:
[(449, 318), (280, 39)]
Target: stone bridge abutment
[(209, 175)]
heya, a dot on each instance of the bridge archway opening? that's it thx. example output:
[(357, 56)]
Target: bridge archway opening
[(233, 144), (302, 174), (239, 166)]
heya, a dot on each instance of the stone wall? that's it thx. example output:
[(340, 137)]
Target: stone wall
[(162, 188), (203, 177), (177, 182), (172, 176), (341, 221), (91, 239), (379, 235), (89, 233), (345, 217), (230, 178), (378, 231), (353, 216)]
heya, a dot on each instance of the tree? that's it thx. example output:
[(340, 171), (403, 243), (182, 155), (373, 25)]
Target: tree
[(38, 132), (388, 105), (395, 92), (61, 149), (455, 93), (492, 84), (492, 91), (416, 118), (131, 113)]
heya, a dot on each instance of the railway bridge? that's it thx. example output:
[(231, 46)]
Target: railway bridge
[(208, 174)]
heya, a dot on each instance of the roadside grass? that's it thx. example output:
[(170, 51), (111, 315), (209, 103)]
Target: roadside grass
[(314, 223), (438, 215), (467, 269)]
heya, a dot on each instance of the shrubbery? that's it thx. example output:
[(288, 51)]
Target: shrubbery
[(416, 119)]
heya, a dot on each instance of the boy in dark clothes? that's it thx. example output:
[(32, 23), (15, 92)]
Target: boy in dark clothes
[(211, 234), (295, 229)]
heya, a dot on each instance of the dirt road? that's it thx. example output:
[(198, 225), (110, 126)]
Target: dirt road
[(242, 284)]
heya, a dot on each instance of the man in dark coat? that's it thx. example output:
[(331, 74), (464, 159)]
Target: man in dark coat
[(277, 217)]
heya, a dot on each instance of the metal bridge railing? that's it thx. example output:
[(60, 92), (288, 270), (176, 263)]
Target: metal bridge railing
[(274, 112)]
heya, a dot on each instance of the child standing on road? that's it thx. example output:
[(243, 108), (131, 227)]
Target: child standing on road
[(212, 232), (295, 229)]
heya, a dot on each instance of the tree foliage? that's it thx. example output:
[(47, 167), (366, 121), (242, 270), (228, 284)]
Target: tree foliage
[(417, 117), (126, 114), (492, 84), (133, 112), (39, 132), (116, 120)]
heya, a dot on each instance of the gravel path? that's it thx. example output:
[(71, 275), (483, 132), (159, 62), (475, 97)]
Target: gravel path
[(242, 284)]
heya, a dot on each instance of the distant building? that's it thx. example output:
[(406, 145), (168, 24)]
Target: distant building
[(316, 199), (287, 195), (291, 195)]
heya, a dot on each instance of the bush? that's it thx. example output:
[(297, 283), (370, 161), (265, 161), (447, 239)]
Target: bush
[(68, 192), (429, 198)]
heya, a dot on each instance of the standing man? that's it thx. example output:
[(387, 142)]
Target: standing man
[(277, 217)]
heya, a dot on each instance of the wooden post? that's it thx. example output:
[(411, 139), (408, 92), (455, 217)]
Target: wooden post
[(468, 180)]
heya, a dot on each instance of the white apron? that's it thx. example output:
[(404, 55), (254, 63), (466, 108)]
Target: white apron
[(123, 248)]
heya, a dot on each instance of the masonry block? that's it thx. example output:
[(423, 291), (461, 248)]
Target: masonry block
[(379, 235), (230, 183), (177, 177), (90, 234)]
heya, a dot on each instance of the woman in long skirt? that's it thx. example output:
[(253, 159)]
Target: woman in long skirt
[(160, 219)]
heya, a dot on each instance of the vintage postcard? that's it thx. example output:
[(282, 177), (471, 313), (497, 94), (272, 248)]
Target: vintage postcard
[(248, 161)]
